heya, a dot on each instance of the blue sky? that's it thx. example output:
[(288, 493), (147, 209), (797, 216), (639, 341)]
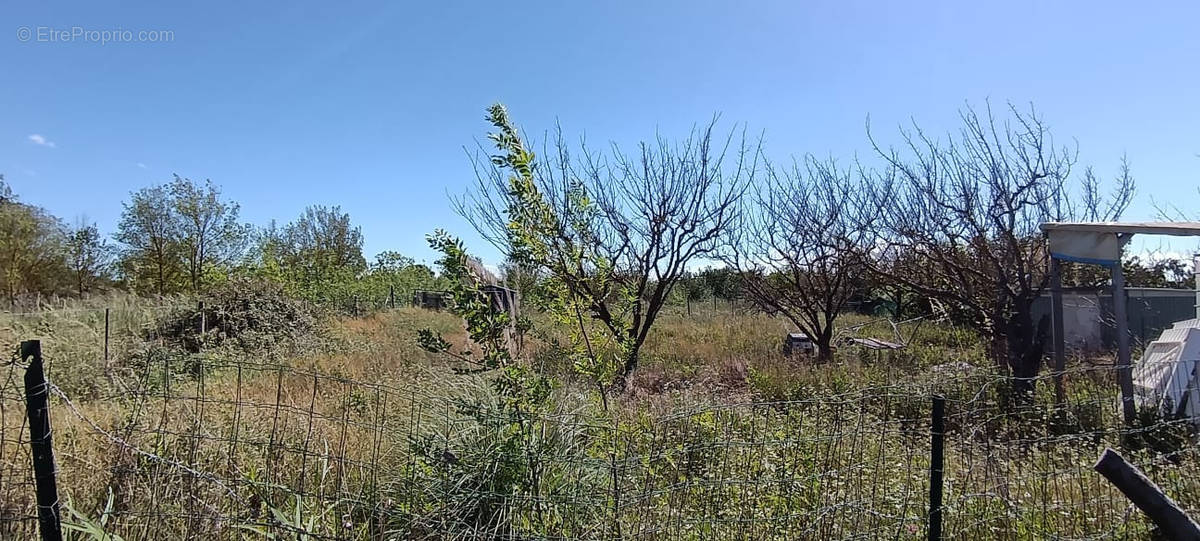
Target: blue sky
[(369, 105)]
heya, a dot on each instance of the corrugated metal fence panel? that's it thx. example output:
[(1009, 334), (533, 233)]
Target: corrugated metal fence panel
[(1148, 316), (1149, 313)]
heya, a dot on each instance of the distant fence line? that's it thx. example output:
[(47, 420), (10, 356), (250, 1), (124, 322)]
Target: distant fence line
[(238, 448)]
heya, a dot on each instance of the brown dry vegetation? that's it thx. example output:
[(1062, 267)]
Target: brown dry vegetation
[(718, 436)]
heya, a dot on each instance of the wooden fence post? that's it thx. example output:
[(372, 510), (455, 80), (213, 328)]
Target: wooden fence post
[(37, 404), (936, 466), (1147, 496), (106, 338)]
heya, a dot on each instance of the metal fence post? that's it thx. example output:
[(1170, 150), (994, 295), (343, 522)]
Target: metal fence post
[(1124, 366), (936, 466), (37, 403), (1060, 341)]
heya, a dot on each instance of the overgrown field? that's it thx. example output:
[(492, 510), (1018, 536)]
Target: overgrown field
[(315, 426)]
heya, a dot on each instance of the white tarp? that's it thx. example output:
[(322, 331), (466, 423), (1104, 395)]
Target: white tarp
[(1098, 248)]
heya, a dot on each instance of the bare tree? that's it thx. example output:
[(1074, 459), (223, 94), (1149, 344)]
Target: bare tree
[(613, 232), (969, 210), (800, 248)]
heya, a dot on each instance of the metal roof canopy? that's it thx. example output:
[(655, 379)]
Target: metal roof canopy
[(1178, 229), (1101, 243)]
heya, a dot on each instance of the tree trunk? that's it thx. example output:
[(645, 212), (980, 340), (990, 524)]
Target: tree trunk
[(161, 285), (1026, 346), (824, 351), (824, 344), (627, 368)]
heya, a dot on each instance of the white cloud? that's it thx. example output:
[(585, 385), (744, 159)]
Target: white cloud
[(142, 165), (39, 140)]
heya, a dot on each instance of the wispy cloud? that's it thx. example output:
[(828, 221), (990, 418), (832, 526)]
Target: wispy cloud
[(39, 140), (142, 165)]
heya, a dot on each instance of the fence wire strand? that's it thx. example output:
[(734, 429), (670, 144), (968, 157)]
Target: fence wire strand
[(234, 449)]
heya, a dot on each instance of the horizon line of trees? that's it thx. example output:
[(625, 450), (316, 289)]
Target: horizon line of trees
[(184, 237)]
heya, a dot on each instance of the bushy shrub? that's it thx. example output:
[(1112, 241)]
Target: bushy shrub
[(244, 312)]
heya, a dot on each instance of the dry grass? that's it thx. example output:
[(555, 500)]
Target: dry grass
[(720, 436)]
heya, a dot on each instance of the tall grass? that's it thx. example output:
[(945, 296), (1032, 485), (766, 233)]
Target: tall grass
[(720, 437)]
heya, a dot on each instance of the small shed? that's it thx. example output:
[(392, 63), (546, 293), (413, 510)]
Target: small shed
[(503, 299), (431, 300)]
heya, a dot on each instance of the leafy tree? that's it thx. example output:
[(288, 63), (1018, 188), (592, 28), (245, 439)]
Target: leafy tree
[(31, 247), (88, 256), (519, 277), (390, 261), (264, 258), (724, 282), (1161, 272), (612, 234), (900, 299), (396, 273), (320, 247), (693, 289), (209, 234), (151, 231), (6, 193), (1139, 272), (320, 258)]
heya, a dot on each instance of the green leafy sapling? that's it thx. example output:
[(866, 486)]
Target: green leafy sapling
[(579, 281), (488, 327)]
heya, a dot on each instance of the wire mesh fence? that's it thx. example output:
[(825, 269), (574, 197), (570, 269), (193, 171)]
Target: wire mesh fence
[(220, 448)]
